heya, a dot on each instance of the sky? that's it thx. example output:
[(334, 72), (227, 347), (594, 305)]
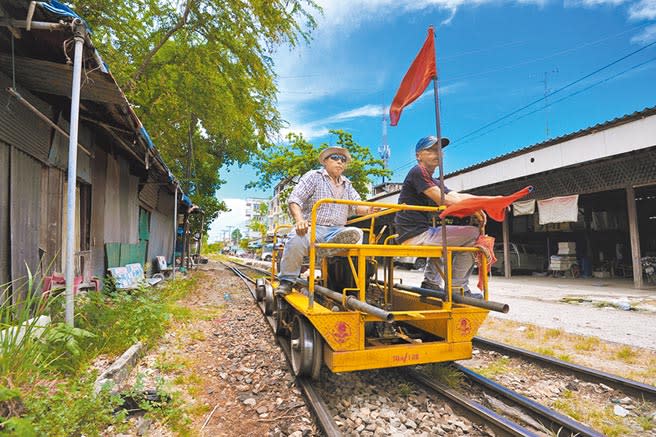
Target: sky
[(592, 58)]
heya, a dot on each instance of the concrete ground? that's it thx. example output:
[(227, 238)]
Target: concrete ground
[(580, 306)]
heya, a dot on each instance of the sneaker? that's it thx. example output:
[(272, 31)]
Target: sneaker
[(346, 236), (431, 286), (284, 288), (476, 295)]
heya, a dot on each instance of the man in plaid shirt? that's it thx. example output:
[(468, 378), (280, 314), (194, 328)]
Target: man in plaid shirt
[(314, 185)]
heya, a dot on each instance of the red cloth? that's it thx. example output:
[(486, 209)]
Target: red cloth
[(415, 81), (486, 244), (494, 206)]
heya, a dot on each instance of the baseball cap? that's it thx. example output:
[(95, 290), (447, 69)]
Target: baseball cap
[(430, 141)]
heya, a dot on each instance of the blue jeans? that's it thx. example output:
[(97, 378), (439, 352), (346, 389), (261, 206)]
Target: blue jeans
[(463, 262), (298, 246)]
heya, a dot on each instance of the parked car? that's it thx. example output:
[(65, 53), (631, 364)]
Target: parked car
[(523, 257), (410, 262), (267, 252)]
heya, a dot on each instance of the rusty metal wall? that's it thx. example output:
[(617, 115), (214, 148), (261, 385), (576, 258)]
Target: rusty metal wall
[(24, 216), (52, 185), (161, 235), (148, 194), (98, 189), (4, 218), (58, 154), (20, 127), (112, 232)]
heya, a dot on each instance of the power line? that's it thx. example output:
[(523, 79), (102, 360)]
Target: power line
[(510, 114), (462, 139), (561, 99)]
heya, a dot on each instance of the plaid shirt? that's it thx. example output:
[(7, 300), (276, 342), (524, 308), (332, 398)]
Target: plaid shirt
[(315, 185)]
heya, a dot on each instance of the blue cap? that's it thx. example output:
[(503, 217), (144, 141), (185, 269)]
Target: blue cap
[(430, 141)]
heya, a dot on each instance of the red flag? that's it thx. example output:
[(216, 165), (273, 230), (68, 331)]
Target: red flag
[(421, 72), (494, 206)]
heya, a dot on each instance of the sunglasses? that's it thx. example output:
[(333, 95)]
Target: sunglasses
[(337, 157)]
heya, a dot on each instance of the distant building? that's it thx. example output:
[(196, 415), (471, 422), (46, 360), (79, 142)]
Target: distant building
[(278, 212)]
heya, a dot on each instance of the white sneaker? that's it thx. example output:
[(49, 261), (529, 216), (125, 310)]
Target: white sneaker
[(345, 236)]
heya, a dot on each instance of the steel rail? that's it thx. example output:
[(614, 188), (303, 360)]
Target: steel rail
[(490, 417), (315, 401), (574, 427), (645, 390)]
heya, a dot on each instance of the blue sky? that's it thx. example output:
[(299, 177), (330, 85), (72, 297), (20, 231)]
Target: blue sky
[(492, 58)]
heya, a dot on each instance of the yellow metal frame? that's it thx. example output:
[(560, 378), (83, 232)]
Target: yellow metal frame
[(345, 345)]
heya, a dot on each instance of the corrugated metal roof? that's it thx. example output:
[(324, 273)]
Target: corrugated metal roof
[(561, 139), (41, 66)]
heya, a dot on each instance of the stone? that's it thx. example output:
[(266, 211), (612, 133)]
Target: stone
[(620, 411), (410, 424), (262, 410), (249, 401)]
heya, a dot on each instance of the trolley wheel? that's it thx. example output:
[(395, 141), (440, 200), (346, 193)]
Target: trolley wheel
[(269, 300), (317, 355), (306, 355), (281, 317), (259, 289)]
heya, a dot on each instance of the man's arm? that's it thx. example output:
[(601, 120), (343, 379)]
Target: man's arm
[(435, 194), (301, 224)]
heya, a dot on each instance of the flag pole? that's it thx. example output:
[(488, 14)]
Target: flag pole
[(438, 132)]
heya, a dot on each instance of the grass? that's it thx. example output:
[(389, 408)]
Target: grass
[(553, 333), (587, 344), (496, 367), (626, 354), (46, 385), (445, 374), (602, 419)]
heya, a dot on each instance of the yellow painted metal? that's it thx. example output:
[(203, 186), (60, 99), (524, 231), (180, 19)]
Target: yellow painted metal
[(453, 325), (379, 357), (274, 251)]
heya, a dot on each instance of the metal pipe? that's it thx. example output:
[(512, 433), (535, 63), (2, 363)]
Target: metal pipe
[(72, 168), (33, 25), (351, 302), (458, 298), (175, 225), (45, 118)]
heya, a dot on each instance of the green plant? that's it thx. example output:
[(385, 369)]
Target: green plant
[(65, 343), (404, 389), (445, 374), (627, 354)]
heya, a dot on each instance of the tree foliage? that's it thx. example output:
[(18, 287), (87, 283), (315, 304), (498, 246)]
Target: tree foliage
[(283, 162), (200, 76)]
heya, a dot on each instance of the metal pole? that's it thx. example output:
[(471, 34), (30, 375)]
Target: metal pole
[(175, 225), (72, 169), (438, 132)]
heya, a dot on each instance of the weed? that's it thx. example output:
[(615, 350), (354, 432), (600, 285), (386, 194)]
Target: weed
[(626, 354), (564, 357), (586, 344), (545, 351), (553, 333), (645, 423), (445, 374), (404, 389), (497, 367)]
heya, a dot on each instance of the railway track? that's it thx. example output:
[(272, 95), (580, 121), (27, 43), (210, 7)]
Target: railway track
[(543, 420), (639, 389), (312, 395)]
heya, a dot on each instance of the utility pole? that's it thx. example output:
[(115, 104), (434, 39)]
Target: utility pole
[(384, 150)]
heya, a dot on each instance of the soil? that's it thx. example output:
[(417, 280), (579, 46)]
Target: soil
[(225, 366)]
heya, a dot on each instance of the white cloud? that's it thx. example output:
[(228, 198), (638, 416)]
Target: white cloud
[(643, 10), (647, 35), (594, 3), (235, 218)]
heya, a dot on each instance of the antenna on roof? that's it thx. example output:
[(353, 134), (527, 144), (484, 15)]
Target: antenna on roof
[(384, 150)]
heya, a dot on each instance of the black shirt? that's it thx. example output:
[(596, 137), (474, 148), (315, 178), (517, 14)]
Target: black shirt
[(411, 223)]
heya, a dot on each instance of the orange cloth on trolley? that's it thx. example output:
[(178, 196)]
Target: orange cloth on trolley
[(494, 206), (486, 244)]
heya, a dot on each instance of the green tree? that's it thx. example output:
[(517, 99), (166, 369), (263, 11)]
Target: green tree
[(235, 236), (200, 76), (283, 162), (258, 222)]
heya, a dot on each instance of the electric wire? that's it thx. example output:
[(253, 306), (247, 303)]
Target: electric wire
[(459, 140)]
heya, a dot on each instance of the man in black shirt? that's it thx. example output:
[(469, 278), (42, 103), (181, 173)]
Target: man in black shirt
[(416, 227)]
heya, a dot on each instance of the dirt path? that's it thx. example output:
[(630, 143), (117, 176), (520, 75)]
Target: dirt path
[(229, 372)]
